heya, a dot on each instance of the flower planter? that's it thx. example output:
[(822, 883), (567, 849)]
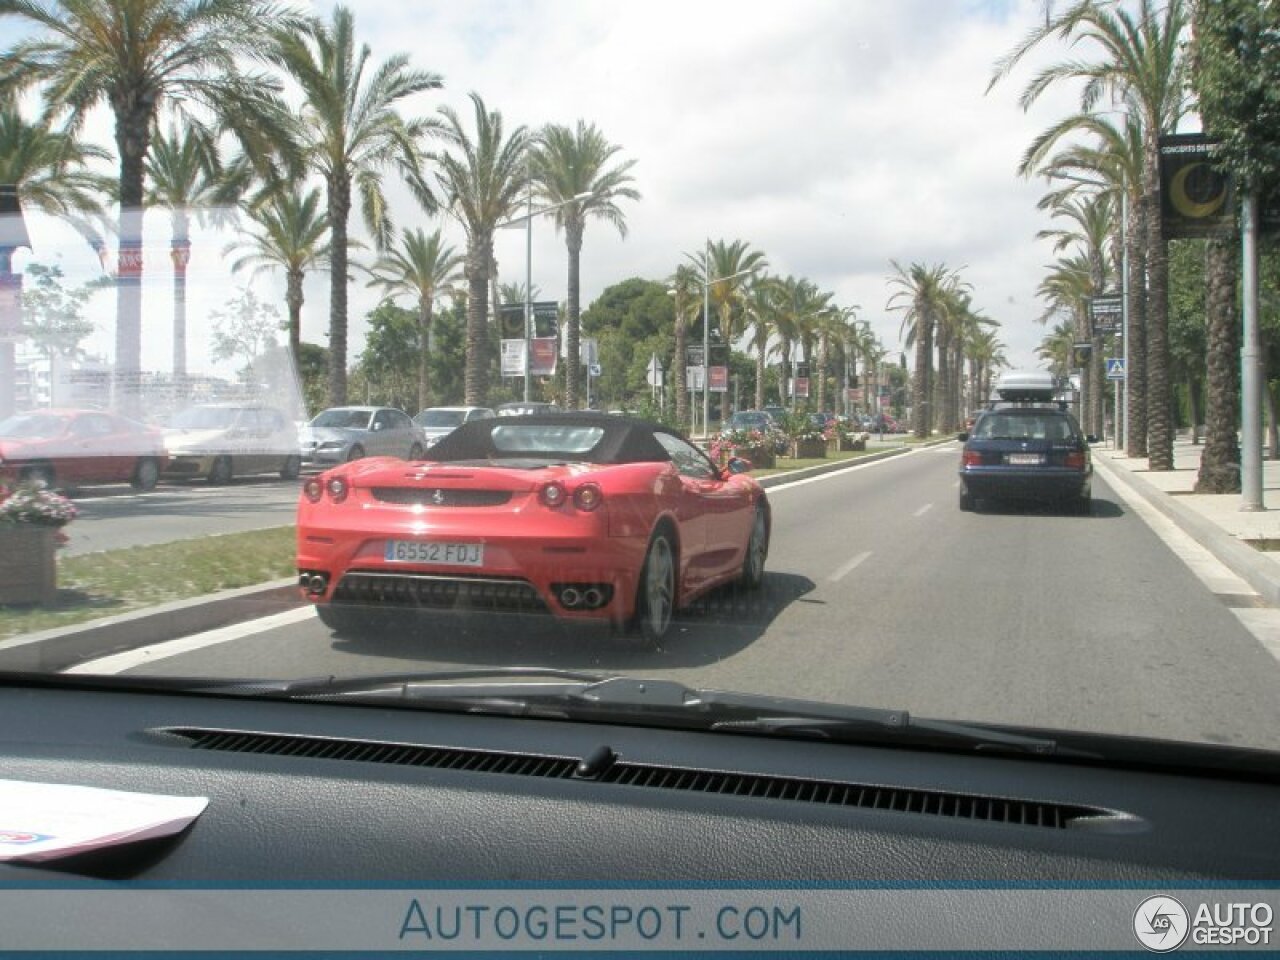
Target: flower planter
[(762, 458), (28, 569), (809, 449), (847, 444)]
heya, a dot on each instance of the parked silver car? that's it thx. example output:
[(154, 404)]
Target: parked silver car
[(438, 422), (340, 434)]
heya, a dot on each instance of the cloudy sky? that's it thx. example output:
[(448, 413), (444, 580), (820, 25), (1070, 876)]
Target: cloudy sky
[(834, 136)]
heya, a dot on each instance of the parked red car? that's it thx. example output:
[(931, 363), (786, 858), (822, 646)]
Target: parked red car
[(66, 448), (583, 516)]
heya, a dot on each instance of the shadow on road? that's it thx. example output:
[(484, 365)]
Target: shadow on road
[(1102, 509), (720, 625)]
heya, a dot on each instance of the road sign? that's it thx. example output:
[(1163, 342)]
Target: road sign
[(513, 356), (693, 377), (593, 370), (694, 355), (719, 379), (654, 373), (1115, 368)]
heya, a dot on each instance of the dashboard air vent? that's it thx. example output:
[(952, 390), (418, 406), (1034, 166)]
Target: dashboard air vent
[(834, 793)]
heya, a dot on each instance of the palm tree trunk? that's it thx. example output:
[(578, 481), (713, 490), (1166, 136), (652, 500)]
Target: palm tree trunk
[(293, 302), (1220, 460), (477, 272), (941, 385), (133, 138), (822, 372), (761, 369), (339, 186), (1159, 394), (1136, 439), (180, 251), (920, 388), (573, 240), (681, 372), (424, 352)]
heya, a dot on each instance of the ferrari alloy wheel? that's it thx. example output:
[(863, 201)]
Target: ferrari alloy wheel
[(656, 601), (757, 551), (145, 474)]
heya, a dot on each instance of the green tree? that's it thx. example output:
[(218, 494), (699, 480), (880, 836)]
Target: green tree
[(923, 296), (353, 134), (289, 234), (139, 57), (424, 267), (313, 372), (482, 177), (566, 164), (389, 363), (245, 328), (1056, 348), (53, 315)]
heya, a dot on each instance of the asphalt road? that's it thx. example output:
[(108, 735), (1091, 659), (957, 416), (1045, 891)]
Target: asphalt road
[(111, 518), (880, 592)]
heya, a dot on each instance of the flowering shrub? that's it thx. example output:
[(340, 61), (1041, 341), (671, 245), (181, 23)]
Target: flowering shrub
[(727, 444), (35, 505)]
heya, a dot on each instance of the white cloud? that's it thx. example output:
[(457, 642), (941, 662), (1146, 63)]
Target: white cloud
[(835, 135)]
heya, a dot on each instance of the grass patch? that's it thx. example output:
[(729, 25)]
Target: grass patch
[(788, 464), (116, 581)]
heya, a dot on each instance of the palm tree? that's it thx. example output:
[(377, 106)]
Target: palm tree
[(922, 297), (1143, 67), (352, 134), (482, 178), (762, 310), (1056, 347), (565, 164), (423, 266), (186, 175), (48, 169), (687, 290), (137, 58), (289, 235)]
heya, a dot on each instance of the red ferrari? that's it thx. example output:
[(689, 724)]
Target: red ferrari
[(583, 516)]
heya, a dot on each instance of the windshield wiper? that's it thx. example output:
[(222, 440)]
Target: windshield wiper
[(576, 695)]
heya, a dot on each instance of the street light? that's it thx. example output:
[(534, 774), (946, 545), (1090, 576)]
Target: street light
[(706, 331), (527, 220)]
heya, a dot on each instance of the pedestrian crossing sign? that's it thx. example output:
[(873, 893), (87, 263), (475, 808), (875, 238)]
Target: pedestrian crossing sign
[(1115, 368)]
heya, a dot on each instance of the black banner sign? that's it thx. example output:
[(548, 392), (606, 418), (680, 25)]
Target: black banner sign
[(1196, 198)]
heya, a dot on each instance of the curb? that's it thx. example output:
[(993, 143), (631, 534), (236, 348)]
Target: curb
[(54, 650), (1241, 559)]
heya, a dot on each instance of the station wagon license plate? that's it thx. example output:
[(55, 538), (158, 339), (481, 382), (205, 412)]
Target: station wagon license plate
[(1024, 459), (422, 551)]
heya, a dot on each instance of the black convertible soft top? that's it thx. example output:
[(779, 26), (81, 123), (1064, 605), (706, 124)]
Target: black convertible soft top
[(571, 437)]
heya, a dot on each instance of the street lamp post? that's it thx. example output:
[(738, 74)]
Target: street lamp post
[(527, 220)]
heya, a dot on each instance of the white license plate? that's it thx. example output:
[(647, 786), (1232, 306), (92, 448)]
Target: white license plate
[(446, 554), (1024, 459)]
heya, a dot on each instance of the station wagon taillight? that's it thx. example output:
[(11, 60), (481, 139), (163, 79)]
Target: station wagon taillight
[(972, 458), (1075, 460)]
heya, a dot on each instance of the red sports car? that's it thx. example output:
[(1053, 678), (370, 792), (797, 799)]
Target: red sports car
[(584, 516), (66, 448)]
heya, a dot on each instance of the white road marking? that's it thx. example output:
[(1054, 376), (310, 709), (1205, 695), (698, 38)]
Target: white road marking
[(791, 485), (120, 662), (923, 510), (843, 571)]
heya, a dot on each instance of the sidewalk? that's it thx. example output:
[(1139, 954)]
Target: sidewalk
[(1248, 543)]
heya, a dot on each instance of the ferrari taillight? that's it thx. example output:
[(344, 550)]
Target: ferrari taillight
[(337, 488), (553, 494), (587, 497), (313, 490)]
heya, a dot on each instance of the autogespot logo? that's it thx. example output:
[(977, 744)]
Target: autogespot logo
[(1161, 923)]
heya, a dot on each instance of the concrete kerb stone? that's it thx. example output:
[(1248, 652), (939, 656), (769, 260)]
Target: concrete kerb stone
[(777, 479), (57, 649), (1240, 558)]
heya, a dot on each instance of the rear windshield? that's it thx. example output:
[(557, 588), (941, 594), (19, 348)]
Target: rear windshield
[(440, 418), (546, 438), (32, 425), (1031, 425), (349, 419)]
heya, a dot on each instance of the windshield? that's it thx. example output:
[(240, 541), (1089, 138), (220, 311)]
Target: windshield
[(440, 418), (343, 419), (32, 426), (732, 278), (204, 418)]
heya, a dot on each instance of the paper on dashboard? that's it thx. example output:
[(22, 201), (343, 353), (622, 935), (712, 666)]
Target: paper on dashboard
[(44, 821)]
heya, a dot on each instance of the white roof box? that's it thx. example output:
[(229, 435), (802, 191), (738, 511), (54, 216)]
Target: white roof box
[(1039, 385)]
